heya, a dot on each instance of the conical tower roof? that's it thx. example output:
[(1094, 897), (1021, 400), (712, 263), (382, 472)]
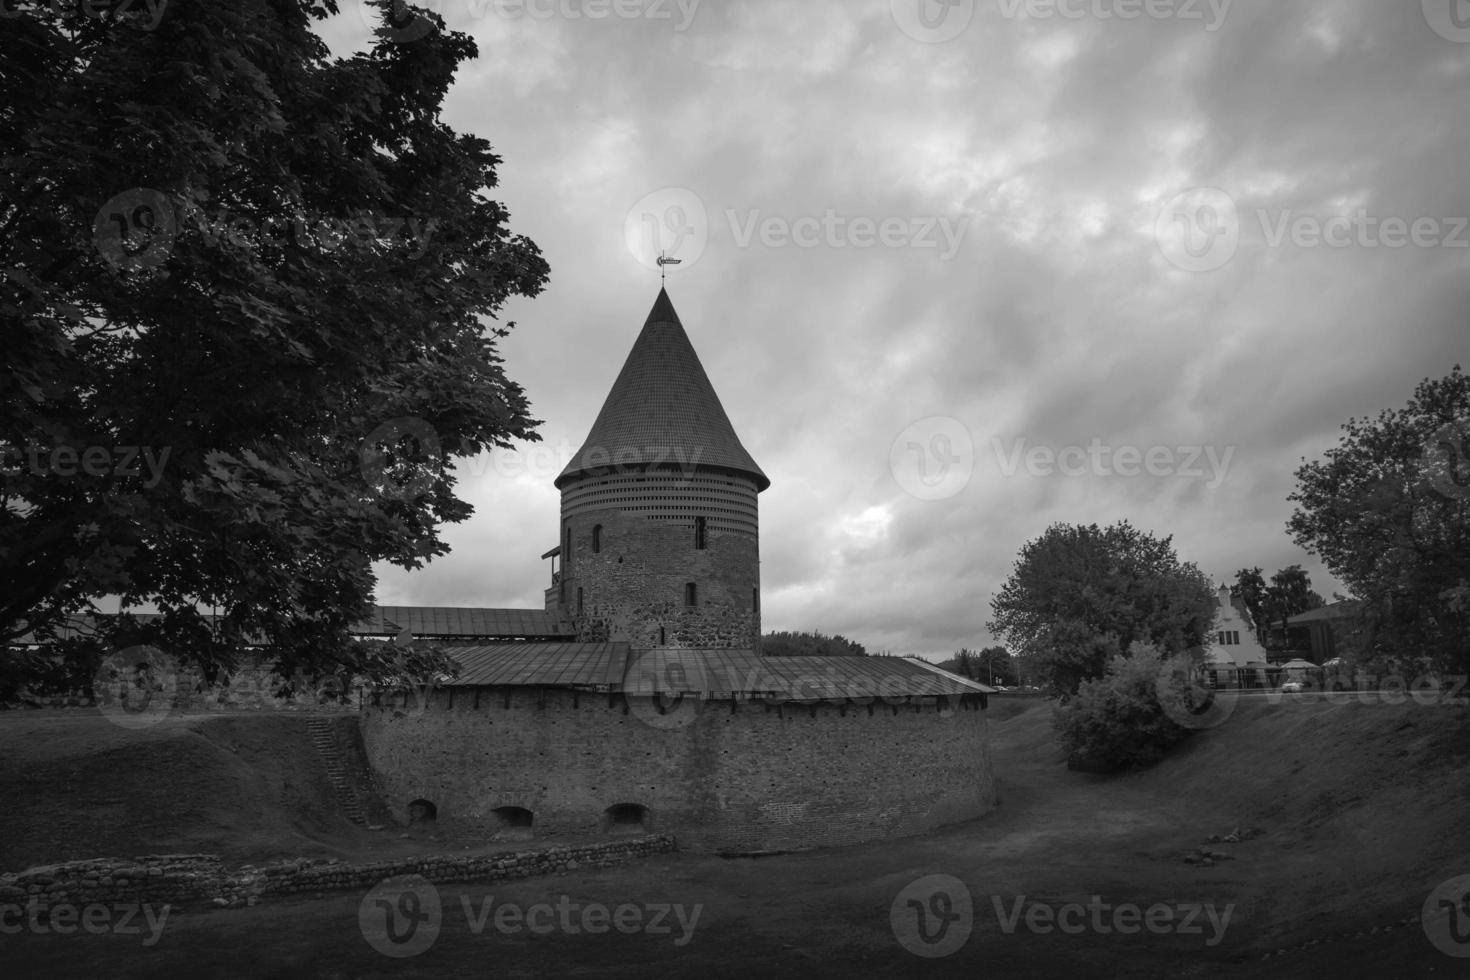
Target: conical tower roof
[(662, 409)]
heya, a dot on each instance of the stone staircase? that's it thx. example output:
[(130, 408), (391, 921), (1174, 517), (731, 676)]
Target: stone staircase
[(344, 787)]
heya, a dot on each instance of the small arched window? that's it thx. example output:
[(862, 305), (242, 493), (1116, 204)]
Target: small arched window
[(700, 533), (691, 594), (566, 548), (579, 598), (597, 539), (755, 600)]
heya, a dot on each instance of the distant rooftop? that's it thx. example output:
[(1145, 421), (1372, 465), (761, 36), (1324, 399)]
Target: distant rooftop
[(460, 623), (1343, 609), (599, 666), (703, 673)]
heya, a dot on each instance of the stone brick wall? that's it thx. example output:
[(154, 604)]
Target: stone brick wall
[(744, 777), (253, 685), (200, 880), (633, 588)]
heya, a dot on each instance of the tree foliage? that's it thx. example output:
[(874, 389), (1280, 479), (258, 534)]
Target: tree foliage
[(269, 267), (1289, 593), (1116, 721), (1080, 595), (992, 665), (1388, 512), (816, 644)]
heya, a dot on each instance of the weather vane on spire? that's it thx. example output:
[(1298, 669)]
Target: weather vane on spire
[(664, 260)]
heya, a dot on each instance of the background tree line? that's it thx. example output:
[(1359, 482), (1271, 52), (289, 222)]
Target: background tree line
[(813, 644), (1289, 593), (992, 665)]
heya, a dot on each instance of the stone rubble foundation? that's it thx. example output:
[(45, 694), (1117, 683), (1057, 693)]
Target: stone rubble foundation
[(202, 881)]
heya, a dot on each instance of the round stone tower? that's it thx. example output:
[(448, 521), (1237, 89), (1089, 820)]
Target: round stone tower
[(659, 517)]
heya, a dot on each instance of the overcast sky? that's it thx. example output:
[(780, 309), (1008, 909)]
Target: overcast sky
[(955, 271)]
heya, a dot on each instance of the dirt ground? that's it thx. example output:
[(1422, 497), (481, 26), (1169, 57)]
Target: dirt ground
[(1363, 806)]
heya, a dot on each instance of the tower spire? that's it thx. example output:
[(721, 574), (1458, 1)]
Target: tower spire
[(662, 409)]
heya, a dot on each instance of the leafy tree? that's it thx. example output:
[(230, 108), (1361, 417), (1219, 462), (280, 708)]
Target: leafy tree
[(63, 668), (964, 663), (798, 644), (993, 665), (1289, 593), (1117, 721), (1388, 512), (1250, 589), (269, 268), (1080, 595)]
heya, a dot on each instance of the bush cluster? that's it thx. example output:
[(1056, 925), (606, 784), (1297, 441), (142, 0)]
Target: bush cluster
[(1117, 721)]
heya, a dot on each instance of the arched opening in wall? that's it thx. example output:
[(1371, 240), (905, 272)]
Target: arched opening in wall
[(755, 600), (566, 549), (701, 528), (422, 811), (691, 594), (662, 641), (597, 539), (625, 818), (512, 823), (579, 598)]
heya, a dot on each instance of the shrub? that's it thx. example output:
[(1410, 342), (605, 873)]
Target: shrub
[(1116, 721)]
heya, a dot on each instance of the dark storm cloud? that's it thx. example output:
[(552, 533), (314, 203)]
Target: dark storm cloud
[(1051, 146)]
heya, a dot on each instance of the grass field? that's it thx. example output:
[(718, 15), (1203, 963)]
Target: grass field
[(1363, 807)]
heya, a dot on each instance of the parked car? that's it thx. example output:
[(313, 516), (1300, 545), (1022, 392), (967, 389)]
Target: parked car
[(1291, 687)]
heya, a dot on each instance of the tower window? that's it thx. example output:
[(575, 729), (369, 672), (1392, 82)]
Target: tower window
[(691, 594), (597, 539), (755, 600), (567, 547), (700, 529), (579, 598)]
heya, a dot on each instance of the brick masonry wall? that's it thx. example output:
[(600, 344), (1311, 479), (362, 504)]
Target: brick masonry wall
[(757, 778), (635, 584), (200, 880), (253, 685)]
